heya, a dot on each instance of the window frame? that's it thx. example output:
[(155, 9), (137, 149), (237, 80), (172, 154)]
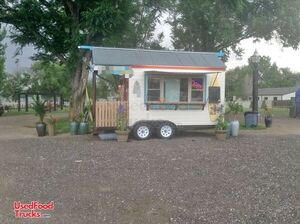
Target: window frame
[(164, 77), (160, 93)]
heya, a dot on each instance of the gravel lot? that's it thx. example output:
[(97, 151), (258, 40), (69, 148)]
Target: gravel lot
[(189, 179)]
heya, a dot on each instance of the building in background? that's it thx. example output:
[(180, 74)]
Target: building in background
[(274, 94)]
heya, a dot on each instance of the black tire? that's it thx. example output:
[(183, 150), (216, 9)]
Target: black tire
[(142, 131), (166, 130)]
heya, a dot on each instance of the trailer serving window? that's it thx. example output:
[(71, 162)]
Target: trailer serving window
[(175, 90)]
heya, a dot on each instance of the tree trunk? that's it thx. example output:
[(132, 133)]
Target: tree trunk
[(79, 84)]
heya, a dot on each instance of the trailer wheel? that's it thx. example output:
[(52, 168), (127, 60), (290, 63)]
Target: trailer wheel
[(166, 130), (142, 131)]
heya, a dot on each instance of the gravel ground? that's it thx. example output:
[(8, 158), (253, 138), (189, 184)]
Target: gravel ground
[(189, 179)]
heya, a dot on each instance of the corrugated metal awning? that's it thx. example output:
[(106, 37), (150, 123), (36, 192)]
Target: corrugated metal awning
[(140, 57)]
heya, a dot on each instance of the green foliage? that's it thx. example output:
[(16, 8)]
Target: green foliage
[(39, 109), (139, 32), (56, 29), (264, 105), (236, 81), (15, 84), (211, 25), (50, 78), (62, 126), (234, 108), (84, 116), (266, 109), (272, 77), (2, 60), (221, 123), (45, 77), (121, 118)]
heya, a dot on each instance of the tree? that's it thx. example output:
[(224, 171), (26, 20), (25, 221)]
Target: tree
[(212, 25), (56, 28), (271, 77), (235, 81), (139, 33), (2, 60), (50, 78), (14, 84)]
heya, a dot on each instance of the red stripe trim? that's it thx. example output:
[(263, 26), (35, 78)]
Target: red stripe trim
[(177, 67)]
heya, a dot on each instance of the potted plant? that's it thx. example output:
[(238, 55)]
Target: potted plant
[(268, 114), (51, 122), (40, 111), (122, 130), (221, 128), (83, 125), (268, 117), (234, 108), (74, 125)]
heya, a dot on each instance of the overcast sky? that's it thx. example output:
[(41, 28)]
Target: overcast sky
[(284, 57), (17, 63)]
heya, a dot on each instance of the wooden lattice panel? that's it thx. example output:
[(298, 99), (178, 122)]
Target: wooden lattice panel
[(106, 113)]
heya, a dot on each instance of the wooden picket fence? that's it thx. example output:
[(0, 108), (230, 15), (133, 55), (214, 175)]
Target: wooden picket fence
[(106, 113)]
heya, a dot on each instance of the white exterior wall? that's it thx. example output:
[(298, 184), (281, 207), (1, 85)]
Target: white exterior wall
[(138, 109), (270, 98), (279, 97), (288, 96)]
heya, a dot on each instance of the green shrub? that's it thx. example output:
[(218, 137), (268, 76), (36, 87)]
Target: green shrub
[(39, 109), (221, 123)]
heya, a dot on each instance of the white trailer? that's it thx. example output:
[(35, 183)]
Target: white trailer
[(165, 90)]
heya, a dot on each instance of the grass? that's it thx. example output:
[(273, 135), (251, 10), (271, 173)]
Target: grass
[(280, 111), (257, 128), (15, 112), (62, 125)]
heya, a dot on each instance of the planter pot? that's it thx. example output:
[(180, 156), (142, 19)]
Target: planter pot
[(221, 134), (268, 122), (83, 128), (51, 129), (41, 129), (74, 128), (122, 136), (235, 127)]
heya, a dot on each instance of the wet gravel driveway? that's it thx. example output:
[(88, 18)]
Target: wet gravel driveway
[(190, 179)]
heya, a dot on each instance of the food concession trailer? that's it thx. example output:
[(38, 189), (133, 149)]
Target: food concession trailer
[(162, 90)]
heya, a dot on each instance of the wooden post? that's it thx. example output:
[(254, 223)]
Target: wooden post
[(26, 102), (19, 102), (54, 99), (94, 99)]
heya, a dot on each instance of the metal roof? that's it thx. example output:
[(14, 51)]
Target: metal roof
[(130, 57), (276, 91)]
